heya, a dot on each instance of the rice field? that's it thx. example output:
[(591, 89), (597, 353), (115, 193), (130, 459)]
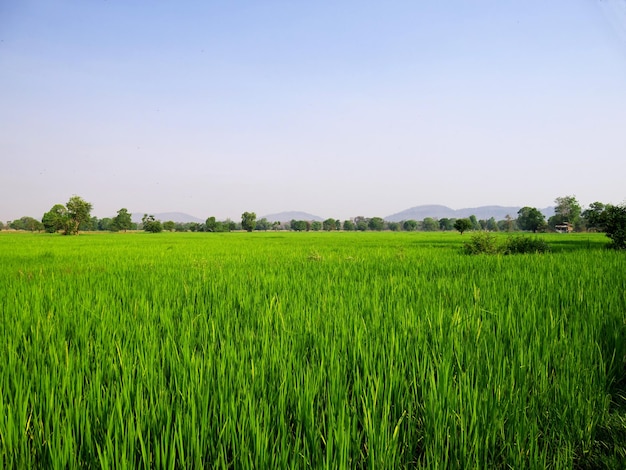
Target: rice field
[(309, 350)]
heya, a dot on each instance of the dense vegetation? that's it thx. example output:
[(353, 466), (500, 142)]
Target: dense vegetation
[(284, 350)]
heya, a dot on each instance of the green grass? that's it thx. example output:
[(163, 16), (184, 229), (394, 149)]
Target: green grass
[(309, 350)]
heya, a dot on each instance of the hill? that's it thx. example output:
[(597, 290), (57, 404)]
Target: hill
[(440, 212), (291, 215), (179, 217)]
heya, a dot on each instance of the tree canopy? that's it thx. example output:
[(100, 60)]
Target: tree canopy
[(530, 218)]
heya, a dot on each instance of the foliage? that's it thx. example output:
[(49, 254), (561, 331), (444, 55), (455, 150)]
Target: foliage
[(316, 226), (123, 220), (567, 210), (248, 221), (530, 218), (482, 243), (329, 224), (614, 222), (263, 225), (376, 224), (78, 211), (462, 225), (429, 225), (593, 216), (26, 223), (299, 225), (410, 225), (169, 226), (349, 226), (524, 244), (56, 219), (150, 224), (366, 350)]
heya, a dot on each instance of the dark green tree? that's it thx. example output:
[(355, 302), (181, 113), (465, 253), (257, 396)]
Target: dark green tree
[(248, 221), (329, 224), (410, 225), (429, 225), (592, 216), (349, 226), (530, 218), (376, 223), (55, 219), (567, 210), (492, 225), (263, 225), (474, 221), (614, 222), (78, 211), (462, 225), (316, 226), (150, 224), (123, 220), (169, 226), (446, 224)]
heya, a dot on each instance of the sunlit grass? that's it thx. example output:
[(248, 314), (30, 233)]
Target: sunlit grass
[(332, 350)]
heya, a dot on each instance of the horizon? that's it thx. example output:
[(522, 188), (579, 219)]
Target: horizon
[(336, 109)]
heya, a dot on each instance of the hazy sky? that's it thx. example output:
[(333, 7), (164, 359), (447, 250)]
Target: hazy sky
[(338, 108)]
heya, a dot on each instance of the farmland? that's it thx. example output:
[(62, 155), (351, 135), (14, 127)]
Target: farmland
[(309, 350)]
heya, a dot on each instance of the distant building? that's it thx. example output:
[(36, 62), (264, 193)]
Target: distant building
[(564, 228)]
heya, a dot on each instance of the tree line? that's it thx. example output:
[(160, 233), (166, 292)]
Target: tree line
[(568, 216)]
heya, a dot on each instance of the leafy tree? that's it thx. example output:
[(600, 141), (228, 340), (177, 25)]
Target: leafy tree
[(248, 221), (376, 223), (446, 224), (474, 221), (123, 220), (27, 223), (349, 226), (361, 225), (106, 224), (593, 216), (316, 225), (263, 224), (169, 226), (150, 224), (337, 224), (410, 225), (329, 224), (394, 226), (299, 225), (614, 221), (567, 210), (55, 219), (462, 225), (530, 218), (429, 225), (1, 225), (78, 211), (210, 225), (492, 225)]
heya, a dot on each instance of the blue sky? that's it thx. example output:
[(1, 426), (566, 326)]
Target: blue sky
[(337, 108)]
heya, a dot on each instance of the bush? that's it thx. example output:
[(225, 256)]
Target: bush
[(523, 244), (482, 243), (487, 243)]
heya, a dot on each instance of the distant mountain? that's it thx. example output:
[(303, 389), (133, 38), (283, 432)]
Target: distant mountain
[(440, 212), (291, 215), (178, 217)]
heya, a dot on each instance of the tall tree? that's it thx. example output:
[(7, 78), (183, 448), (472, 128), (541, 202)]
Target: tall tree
[(248, 221), (150, 224), (123, 220), (593, 216), (78, 211), (614, 220), (530, 218), (567, 210), (376, 223), (55, 219), (462, 225)]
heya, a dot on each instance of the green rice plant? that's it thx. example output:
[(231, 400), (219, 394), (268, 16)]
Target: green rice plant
[(241, 350)]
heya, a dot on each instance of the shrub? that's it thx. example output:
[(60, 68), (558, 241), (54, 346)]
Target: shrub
[(524, 244), (482, 243)]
